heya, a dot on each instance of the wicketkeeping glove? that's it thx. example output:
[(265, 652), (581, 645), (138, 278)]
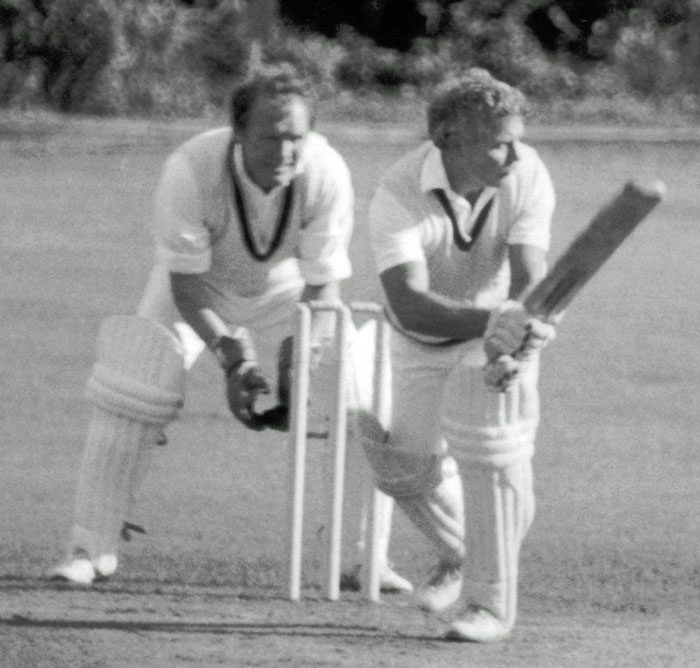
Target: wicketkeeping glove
[(277, 417), (285, 361), (244, 381)]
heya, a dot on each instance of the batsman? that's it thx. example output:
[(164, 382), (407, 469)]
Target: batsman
[(249, 219), (460, 229)]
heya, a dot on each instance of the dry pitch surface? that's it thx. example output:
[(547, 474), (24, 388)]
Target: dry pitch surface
[(611, 569)]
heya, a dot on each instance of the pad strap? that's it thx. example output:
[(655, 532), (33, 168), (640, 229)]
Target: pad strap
[(139, 373), (497, 446), (130, 398)]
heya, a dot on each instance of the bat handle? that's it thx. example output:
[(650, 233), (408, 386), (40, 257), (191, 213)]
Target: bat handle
[(505, 367), (500, 371)]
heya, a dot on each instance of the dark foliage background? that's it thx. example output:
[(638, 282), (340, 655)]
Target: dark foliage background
[(635, 61)]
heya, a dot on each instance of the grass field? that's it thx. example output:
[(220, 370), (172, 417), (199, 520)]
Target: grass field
[(610, 571)]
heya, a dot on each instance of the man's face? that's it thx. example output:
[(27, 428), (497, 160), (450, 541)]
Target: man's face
[(489, 157), (273, 139)]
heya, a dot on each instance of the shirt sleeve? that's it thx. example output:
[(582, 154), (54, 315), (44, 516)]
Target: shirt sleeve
[(328, 223), (534, 203), (395, 239), (183, 242)]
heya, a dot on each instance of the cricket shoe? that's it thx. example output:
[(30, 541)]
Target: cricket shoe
[(80, 570), (390, 582), (477, 625), (443, 588)]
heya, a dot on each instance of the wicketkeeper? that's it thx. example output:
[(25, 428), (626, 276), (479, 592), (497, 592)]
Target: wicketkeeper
[(249, 219), (460, 228)]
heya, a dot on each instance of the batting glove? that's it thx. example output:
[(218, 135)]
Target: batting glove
[(539, 335), (511, 330), (500, 374)]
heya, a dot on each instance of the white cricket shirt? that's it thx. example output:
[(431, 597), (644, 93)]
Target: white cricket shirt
[(408, 224), (198, 230)]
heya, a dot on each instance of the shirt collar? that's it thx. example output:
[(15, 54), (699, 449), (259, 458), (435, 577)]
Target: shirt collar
[(433, 174)]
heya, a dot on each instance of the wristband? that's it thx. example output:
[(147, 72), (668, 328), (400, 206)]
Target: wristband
[(232, 351)]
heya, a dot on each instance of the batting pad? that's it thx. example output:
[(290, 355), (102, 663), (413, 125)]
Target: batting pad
[(491, 435), (491, 427), (499, 509), (136, 388)]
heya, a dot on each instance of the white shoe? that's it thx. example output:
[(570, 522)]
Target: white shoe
[(477, 625), (80, 570), (443, 588), (105, 566), (390, 582)]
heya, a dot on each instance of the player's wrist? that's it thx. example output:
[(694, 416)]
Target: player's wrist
[(234, 352), (509, 306), (228, 354)]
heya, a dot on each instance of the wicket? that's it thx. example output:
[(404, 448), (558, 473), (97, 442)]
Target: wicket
[(298, 435)]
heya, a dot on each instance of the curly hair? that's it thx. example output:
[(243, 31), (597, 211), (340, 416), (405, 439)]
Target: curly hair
[(278, 80), (475, 100)]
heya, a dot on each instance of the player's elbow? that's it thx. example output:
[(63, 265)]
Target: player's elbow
[(528, 266), (404, 286)]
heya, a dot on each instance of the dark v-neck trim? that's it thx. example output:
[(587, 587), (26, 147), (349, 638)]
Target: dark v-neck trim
[(282, 223), (460, 241)]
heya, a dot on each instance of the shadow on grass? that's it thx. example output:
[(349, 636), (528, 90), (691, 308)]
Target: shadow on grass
[(325, 630), (145, 586), (214, 591)]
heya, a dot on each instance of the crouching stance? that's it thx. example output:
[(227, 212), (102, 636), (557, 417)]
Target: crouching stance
[(249, 219), (460, 227)]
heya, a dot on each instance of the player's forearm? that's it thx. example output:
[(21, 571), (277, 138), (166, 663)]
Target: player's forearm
[(435, 315), (191, 297), (527, 268), (421, 310)]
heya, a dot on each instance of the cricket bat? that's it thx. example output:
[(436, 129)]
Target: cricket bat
[(579, 263), (592, 247)]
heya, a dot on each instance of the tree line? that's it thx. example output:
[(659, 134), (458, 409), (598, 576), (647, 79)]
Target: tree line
[(179, 57)]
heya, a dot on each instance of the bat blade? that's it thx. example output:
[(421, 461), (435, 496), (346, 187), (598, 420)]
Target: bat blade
[(592, 247)]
